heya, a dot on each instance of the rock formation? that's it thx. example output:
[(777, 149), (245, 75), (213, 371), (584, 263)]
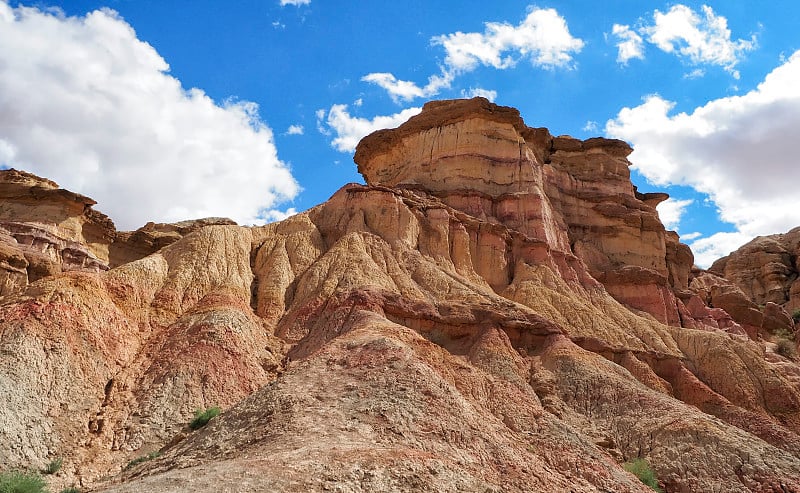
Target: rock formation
[(766, 269), (497, 309), (575, 196), (152, 237), (45, 230)]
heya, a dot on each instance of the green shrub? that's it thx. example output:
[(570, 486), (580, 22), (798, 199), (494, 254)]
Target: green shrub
[(139, 460), (642, 470), (22, 482), (796, 315), (201, 418), (53, 466)]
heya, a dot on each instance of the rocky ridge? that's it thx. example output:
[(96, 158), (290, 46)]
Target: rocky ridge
[(498, 309), (766, 270)]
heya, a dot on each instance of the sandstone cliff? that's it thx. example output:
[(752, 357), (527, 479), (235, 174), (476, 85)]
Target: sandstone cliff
[(766, 269), (497, 309), (45, 230)]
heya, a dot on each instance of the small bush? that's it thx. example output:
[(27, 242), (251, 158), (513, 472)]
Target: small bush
[(786, 348), (53, 466), (642, 470), (22, 482), (796, 315), (139, 460), (201, 418)]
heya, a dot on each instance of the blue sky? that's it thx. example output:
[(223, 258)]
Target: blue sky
[(171, 110)]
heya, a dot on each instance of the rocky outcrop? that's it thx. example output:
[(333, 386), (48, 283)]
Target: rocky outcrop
[(45, 230), (425, 332), (575, 196), (152, 237), (766, 270)]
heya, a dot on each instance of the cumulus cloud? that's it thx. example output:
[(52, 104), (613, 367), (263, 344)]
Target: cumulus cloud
[(296, 3), (671, 210), (699, 39), (350, 129), (406, 90), (295, 130), (739, 150), (542, 37), (87, 104), (630, 44), (473, 92)]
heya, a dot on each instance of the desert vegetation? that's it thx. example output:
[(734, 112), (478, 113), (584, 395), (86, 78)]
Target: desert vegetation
[(144, 458), (641, 469), (201, 417), (53, 466), (22, 482)]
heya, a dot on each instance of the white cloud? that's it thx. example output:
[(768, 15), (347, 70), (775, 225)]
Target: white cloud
[(707, 250), (671, 210), (542, 37), (276, 215), (474, 92), (397, 89), (691, 236), (739, 150), (630, 44), (87, 104), (591, 126), (701, 40), (296, 3), (295, 130), (695, 74), (350, 130), (406, 90)]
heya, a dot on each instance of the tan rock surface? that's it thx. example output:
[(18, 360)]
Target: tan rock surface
[(45, 230), (407, 335), (575, 196), (766, 269), (152, 237)]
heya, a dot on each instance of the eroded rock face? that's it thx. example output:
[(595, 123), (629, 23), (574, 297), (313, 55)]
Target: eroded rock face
[(45, 230), (403, 338), (766, 269), (576, 196), (152, 237)]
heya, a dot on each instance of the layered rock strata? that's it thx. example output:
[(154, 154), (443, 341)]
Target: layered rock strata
[(442, 328), (575, 196), (45, 230), (766, 269)]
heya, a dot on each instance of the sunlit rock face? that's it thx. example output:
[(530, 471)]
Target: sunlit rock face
[(766, 269), (45, 230), (496, 310), (573, 195)]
